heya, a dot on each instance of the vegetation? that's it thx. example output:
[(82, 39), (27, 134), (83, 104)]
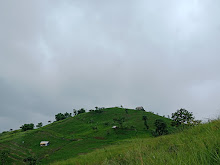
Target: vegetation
[(145, 121), (161, 127), (39, 125), (4, 157), (182, 117), (88, 138), (26, 127), (61, 116), (78, 135), (195, 146)]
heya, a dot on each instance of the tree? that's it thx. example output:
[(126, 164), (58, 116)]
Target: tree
[(145, 121), (181, 117), (59, 116), (82, 110), (67, 115), (161, 127), (26, 127), (39, 125), (75, 112)]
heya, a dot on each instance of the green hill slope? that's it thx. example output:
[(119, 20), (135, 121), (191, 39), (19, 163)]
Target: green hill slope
[(77, 135), (199, 145)]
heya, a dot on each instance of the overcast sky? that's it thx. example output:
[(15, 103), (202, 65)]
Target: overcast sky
[(59, 55)]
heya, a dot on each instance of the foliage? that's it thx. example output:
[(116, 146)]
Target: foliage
[(181, 117), (120, 121), (61, 116), (26, 127), (39, 125), (145, 121), (199, 145), (72, 136), (82, 110), (67, 115), (161, 127), (30, 160), (4, 157)]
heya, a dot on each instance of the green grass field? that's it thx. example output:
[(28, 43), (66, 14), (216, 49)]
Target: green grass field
[(199, 145), (76, 136)]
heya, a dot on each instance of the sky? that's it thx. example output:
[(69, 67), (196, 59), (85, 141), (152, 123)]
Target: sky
[(56, 56)]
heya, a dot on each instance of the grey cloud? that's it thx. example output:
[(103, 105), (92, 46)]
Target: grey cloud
[(59, 55)]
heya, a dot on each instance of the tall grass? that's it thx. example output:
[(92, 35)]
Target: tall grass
[(197, 146)]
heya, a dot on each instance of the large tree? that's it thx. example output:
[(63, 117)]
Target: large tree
[(181, 117)]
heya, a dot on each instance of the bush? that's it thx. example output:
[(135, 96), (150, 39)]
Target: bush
[(61, 116), (26, 127), (31, 160), (161, 128)]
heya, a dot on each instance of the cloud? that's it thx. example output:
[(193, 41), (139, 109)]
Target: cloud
[(60, 55)]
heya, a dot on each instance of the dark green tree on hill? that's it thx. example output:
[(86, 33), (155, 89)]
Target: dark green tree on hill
[(26, 127), (182, 117), (82, 110), (67, 115), (161, 127), (145, 121), (75, 112), (61, 116), (39, 125)]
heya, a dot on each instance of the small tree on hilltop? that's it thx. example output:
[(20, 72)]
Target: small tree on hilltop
[(39, 125), (26, 127), (75, 112), (59, 116), (67, 115), (82, 110), (181, 117)]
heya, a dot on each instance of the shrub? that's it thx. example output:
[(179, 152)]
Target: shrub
[(26, 127), (161, 127)]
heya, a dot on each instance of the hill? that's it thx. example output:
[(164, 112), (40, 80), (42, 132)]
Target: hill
[(78, 135), (199, 145)]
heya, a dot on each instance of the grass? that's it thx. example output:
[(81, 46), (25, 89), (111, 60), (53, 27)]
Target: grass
[(197, 146), (74, 136)]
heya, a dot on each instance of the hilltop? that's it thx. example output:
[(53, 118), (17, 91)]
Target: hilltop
[(79, 135)]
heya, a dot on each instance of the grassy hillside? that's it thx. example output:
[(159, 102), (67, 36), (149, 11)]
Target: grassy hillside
[(197, 146), (77, 135)]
